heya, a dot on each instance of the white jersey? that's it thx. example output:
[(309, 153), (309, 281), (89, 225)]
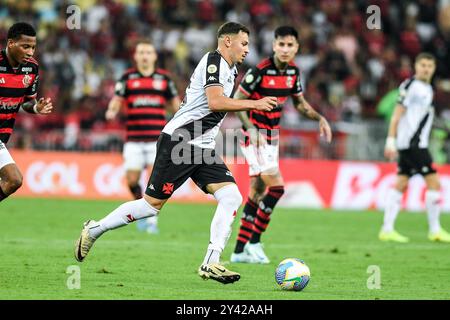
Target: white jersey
[(415, 124), (194, 116)]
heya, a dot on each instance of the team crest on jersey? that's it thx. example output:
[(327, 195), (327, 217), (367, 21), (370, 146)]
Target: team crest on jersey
[(26, 81), (212, 68), (289, 82), (249, 78)]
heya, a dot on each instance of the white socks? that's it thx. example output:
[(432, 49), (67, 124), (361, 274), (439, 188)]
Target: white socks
[(391, 210), (123, 215), (393, 206), (229, 199), (432, 199)]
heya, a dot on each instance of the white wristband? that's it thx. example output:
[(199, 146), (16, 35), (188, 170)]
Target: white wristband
[(391, 143), (35, 110)]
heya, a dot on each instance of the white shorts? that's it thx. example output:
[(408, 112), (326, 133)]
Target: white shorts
[(138, 155), (262, 159), (5, 157)]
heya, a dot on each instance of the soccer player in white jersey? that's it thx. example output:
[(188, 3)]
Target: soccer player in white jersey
[(408, 137), (185, 149)]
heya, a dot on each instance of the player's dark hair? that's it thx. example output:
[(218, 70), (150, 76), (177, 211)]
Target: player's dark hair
[(21, 28), (425, 55), (231, 28), (284, 31)]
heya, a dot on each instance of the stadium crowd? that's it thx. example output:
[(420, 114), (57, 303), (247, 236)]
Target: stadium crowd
[(347, 68)]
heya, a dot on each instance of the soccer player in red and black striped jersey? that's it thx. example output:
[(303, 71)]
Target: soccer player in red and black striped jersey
[(19, 78), (275, 76), (147, 92)]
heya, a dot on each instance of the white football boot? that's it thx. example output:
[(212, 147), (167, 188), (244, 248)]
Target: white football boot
[(256, 250)]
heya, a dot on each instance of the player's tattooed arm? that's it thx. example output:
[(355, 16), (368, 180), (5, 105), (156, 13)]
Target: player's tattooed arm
[(256, 138), (305, 109), (41, 106)]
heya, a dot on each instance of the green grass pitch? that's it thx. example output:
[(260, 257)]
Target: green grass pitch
[(37, 238)]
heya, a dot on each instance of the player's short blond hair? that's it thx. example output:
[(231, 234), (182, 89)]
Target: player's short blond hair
[(425, 55)]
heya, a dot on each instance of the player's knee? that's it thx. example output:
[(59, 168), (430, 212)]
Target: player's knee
[(402, 187), (256, 196), (231, 198), (12, 184), (155, 203), (235, 199), (401, 184), (433, 183)]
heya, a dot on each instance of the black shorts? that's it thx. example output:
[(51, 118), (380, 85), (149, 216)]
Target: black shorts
[(415, 161), (176, 161)]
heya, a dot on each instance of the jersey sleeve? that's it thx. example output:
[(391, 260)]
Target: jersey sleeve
[(215, 76), (297, 90), (404, 94), (31, 92), (121, 87), (250, 81), (171, 90)]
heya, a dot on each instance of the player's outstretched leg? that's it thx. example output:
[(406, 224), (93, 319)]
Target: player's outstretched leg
[(266, 206), (229, 199), (123, 215)]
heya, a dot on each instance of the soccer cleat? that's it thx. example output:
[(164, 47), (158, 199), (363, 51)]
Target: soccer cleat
[(84, 242), (217, 272), (441, 236), (243, 257), (256, 250), (392, 236)]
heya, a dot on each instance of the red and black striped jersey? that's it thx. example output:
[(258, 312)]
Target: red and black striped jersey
[(145, 97), (266, 80), (17, 85)]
